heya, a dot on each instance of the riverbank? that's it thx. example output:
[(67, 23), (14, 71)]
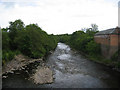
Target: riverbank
[(114, 65), (41, 75), (19, 62)]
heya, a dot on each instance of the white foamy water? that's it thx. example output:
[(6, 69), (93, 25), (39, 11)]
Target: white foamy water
[(60, 65), (63, 46), (64, 56)]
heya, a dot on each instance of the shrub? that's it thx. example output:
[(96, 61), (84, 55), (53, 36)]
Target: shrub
[(8, 55), (115, 57), (93, 48)]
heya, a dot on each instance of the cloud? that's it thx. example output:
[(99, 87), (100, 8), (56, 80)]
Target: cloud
[(61, 16)]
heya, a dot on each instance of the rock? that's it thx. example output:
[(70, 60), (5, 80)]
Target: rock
[(11, 72), (17, 73), (43, 75), (4, 76), (26, 71), (22, 68), (12, 69), (18, 63)]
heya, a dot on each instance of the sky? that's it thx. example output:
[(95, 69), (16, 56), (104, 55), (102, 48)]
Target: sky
[(61, 16)]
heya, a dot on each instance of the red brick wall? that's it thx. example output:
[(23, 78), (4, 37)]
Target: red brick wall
[(102, 39), (109, 44), (113, 40)]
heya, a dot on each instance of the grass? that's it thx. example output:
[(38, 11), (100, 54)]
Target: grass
[(102, 60)]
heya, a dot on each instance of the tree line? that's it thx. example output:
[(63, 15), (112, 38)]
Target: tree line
[(32, 41), (83, 40), (28, 40)]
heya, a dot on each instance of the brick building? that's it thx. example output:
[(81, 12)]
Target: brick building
[(109, 40)]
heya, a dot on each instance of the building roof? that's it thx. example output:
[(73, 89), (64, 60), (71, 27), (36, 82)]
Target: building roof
[(108, 31)]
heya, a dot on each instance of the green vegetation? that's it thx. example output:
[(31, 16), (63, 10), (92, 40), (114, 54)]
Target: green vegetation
[(116, 59), (83, 41), (33, 42), (64, 38), (29, 40)]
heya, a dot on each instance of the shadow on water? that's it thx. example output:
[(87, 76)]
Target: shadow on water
[(71, 70)]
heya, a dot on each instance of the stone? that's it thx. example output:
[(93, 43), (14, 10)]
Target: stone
[(43, 75), (5, 76)]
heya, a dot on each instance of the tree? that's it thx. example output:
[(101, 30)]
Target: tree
[(4, 29), (5, 41), (14, 28), (94, 27), (93, 48)]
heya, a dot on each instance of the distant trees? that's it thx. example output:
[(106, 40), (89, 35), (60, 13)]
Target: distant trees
[(64, 38), (94, 27), (83, 40)]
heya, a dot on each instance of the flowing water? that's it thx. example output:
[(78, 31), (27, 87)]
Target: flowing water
[(71, 70)]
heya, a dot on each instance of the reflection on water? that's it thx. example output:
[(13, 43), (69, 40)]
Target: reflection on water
[(71, 70)]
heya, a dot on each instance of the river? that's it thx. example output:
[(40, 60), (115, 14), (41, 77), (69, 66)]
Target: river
[(71, 70)]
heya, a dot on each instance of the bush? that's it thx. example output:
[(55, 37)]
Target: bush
[(8, 55), (31, 40), (5, 41), (115, 57), (93, 48)]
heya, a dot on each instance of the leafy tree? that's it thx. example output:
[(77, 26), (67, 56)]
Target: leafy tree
[(4, 29), (5, 40), (93, 48), (30, 40), (14, 27), (94, 27)]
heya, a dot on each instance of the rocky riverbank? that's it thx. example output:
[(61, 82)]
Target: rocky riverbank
[(18, 63), (41, 75)]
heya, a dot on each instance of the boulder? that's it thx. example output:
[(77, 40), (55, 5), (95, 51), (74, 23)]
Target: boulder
[(43, 75)]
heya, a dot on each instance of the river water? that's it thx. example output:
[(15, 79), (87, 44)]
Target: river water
[(71, 70)]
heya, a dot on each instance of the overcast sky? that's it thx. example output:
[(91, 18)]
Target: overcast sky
[(61, 16)]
